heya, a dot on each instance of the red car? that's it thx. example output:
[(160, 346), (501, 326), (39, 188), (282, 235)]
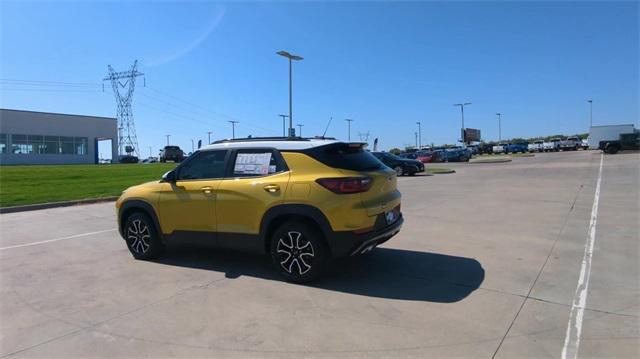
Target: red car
[(426, 157)]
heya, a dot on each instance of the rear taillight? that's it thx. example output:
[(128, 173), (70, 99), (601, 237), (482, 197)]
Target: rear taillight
[(346, 185)]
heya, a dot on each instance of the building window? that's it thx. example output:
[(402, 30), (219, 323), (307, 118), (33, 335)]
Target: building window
[(3, 143), (80, 145), (51, 145), (20, 145), (45, 145)]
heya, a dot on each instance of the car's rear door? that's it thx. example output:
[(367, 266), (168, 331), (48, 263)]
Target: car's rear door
[(256, 180)]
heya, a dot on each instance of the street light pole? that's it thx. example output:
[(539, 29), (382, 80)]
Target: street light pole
[(291, 58), (462, 105), (499, 126), (168, 139), (209, 137), (416, 134), (590, 113), (233, 128), (193, 146), (349, 126), (300, 129), (419, 134), (283, 124)]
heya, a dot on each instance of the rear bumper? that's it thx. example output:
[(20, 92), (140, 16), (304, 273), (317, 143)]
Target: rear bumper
[(345, 243)]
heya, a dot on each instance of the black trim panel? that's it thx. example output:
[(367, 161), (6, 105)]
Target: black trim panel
[(344, 243)]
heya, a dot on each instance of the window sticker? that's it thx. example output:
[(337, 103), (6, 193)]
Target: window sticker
[(252, 163)]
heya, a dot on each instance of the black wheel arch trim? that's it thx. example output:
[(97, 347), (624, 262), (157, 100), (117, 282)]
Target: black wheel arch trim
[(304, 210), (139, 205)]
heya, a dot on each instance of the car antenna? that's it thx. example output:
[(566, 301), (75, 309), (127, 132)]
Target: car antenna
[(327, 128)]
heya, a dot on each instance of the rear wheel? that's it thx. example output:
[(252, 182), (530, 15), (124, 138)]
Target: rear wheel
[(141, 237), (298, 252), (399, 170)]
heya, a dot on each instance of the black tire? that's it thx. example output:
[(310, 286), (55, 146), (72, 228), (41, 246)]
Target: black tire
[(399, 170), (298, 252), (141, 237)]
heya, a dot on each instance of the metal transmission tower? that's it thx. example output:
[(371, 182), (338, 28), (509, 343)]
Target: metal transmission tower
[(123, 91)]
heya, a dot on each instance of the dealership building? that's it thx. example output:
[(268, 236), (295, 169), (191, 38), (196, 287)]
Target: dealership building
[(29, 137)]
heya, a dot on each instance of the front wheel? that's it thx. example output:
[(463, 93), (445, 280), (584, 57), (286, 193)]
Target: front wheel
[(298, 252), (141, 237)]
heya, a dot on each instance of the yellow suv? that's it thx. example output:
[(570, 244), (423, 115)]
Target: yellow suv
[(303, 201)]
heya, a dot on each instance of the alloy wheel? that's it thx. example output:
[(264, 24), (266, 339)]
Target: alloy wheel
[(295, 253), (139, 236)]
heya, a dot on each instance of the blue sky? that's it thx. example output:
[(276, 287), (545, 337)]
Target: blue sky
[(384, 64)]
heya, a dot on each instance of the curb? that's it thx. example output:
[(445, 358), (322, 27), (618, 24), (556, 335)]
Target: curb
[(33, 207)]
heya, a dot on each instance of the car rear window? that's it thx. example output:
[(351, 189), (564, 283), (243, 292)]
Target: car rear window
[(345, 156)]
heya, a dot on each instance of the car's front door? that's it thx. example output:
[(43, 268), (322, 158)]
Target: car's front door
[(188, 204), (257, 180)]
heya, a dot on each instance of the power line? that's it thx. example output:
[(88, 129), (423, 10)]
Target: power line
[(49, 83)]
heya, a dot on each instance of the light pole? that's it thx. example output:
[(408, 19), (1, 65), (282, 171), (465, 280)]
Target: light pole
[(168, 139), (300, 129), (193, 146), (283, 126), (499, 126), (590, 114), (419, 144), (349, 126), (233, 128), (209, 137), (150, 153), (416, 134), (291, 58), (462, 105)]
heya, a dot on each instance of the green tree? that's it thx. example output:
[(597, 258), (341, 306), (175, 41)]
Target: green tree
[(395, 151)]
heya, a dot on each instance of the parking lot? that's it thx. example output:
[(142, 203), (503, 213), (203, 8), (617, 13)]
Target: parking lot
[(487, 264)]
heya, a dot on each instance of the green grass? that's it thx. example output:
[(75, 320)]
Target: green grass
[(438, 170), (21, 185)]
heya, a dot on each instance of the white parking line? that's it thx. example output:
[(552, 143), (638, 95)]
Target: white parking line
[(57, 239), (574, 327)]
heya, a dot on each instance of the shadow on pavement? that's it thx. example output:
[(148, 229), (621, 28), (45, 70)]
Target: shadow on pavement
[(384, 273)]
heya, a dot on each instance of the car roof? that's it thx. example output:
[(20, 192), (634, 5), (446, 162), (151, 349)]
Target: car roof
[(279, 143)]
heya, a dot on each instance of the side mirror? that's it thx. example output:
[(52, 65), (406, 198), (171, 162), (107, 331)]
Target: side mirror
[(169, 177)]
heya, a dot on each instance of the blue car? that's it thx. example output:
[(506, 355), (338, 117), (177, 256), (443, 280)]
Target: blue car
[(516, 147)]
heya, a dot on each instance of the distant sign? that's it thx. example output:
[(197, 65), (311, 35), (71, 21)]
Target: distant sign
[(471, 134)]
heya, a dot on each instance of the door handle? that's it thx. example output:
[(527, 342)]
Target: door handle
[(272, 188), (207, 190)]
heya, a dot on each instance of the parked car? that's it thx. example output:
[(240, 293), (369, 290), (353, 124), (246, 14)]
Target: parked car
[(570, 144), (626, 141), (303, 201), (128, 159), (553, 145), (402, 166), (499, 148), (485, 148), (425, 156), (522, 147), (171, 153), (585, 144), (458, 154), (536, 146), (150, 160)]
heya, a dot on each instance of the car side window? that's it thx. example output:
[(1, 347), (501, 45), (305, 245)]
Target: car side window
[(257, 162), (207, 164)]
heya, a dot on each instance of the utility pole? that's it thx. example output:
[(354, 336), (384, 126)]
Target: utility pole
[(300, 129), (283, 126), (349, 125), (419, 144), (416, 134), (590, 114), (291, 58), (150, 153), (462, 105), (209, 137), (193, 146), (499, 126), (233, 128), (168, 139), (126, 126)]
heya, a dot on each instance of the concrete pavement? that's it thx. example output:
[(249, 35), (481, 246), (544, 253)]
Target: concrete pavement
[(486, 265)]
